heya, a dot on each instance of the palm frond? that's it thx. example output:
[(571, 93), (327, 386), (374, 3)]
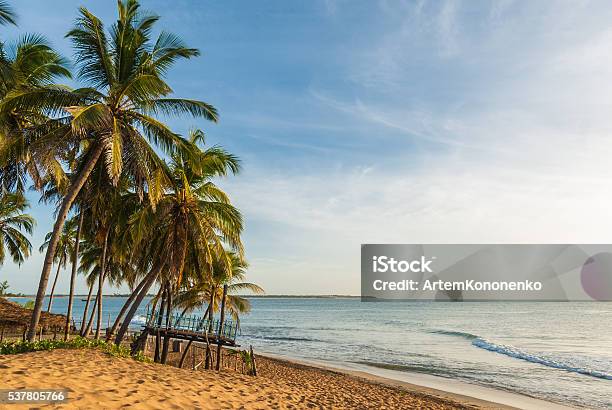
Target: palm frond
[(7, 15)]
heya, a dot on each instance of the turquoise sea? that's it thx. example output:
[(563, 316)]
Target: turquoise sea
[(560, 352)]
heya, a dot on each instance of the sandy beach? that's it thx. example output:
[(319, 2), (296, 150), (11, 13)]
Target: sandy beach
[(96, 380)]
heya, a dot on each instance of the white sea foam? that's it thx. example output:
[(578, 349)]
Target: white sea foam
[(138, 320), (539, 359)]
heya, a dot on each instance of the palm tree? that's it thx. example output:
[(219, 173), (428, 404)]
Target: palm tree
[(31, 64), (75, 258), (12, 222), (106, 254), (114, 117), (194, 217), (91, 265), (84, 330), (52, 193), (3, 287), (210, 291), (63, 251), (7, 15)]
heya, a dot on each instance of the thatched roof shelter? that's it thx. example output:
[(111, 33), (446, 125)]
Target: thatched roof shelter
[(14, 315)]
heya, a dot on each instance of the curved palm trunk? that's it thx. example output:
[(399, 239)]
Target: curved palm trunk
[(91, 318), (128, 317), (155, 300), (124, 308), (162, 307), (210, 327), (67, 202), (220, 331), (98, 305), (59, 265), (185, 354), (100, 283), (75, 258), (164, 355), (86, 310)]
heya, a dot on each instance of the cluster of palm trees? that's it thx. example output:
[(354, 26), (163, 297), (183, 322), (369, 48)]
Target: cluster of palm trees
[(136, 203)]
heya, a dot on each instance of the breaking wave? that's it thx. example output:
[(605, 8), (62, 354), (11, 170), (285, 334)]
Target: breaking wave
[(517, 353), (464, 335), (138, 320)]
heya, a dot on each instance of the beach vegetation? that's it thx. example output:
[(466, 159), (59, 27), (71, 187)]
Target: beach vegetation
[(209, 292), (114, 120), (4, 286), (7, 15), (63, 252), (247, 358), (7, 348), (13, 221), (136, 203)]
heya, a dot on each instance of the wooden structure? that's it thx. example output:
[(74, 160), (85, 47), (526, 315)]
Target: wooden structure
[(15, 319), (239, 361), (192, 328)]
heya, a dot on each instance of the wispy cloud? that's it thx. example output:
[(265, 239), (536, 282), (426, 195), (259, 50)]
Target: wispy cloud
[(514, 131), (424, 121)]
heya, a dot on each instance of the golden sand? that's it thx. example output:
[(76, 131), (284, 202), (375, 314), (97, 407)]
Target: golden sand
[(97, 381)]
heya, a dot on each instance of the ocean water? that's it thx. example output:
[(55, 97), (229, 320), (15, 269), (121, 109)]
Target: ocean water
[(560, 352)]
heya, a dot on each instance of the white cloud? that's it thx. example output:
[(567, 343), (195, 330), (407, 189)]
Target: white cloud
[(507, 107), (521, 155)]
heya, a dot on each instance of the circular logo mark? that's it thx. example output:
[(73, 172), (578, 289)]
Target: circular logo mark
[(596, 276)]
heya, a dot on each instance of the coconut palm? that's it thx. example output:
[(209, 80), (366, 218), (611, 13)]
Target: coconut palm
[(31, 64), (113, 119), (210, 291), (75, 258), (7, 15), (194, 217), (89, 267), (12, 222), (52, 193), (3, 288), (116, 271), (106, 211), (63, 252)]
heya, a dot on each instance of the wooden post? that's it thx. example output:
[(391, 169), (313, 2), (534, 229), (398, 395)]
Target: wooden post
[(220, 331), (193, 363), (157, 343), (253, 360)]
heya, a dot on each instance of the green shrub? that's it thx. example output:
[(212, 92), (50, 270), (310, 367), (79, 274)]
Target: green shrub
[(28, 304), (76, 343)]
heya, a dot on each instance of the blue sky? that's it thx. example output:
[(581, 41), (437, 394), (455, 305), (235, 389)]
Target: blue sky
[(372, 122)]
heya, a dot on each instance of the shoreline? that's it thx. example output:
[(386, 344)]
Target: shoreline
[(467, 394)]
